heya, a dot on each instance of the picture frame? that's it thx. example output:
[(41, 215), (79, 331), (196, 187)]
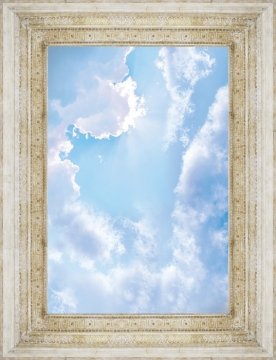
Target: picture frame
[(28, 330)]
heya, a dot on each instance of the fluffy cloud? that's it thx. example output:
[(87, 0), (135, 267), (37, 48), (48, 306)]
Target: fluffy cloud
[(182, 68), (91, 235), (106, 104), (116, 109), (61, 175), (141, 284)]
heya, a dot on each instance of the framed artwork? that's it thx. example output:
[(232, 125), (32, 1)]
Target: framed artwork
[(137, 180)]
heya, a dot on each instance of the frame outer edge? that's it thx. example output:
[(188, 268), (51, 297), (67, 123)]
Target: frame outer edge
[(8, 181), (140, 5), (266, 234)]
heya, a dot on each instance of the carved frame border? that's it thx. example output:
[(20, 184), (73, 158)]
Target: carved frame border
[(247, 329)]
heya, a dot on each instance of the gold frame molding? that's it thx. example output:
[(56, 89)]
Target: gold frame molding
[(247, 329)]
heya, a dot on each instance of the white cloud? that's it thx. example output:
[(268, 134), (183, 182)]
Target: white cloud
[(182, 68), (90, 233), (191, 64), (145, 243), (141, 284), (175, 289), (136, 284), (206, 157), (115, 109), (106, 104), (55, 255), (63, 301), (186, 273), (202, 162), (201, 191), (62, 180)]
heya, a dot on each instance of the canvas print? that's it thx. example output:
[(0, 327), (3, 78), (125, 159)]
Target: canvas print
[(137, 179)]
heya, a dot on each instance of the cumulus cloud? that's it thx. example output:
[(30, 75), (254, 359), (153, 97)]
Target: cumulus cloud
[(90, 234), (182, 68), (115, 109), (106, 103), (140, 284), (85, 234)]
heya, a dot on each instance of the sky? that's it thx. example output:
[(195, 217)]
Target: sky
[(137, 179)]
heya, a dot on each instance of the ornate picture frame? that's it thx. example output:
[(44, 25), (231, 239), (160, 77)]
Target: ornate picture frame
[(247, 329)]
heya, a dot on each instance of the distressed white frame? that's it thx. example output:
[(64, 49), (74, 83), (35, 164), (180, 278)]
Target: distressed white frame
[(28, 331)]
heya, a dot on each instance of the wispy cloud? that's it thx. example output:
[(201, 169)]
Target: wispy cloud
[(182, 68), (63, 301), (145, 241), (206, 157), (201, 197)]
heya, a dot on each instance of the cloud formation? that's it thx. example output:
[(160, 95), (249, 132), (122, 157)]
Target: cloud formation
[(105, 104), (182, 68), (116, 108), (122, 259), (83, 233), (206, 157)]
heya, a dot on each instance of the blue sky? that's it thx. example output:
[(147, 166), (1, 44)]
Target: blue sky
[(137, 179)]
